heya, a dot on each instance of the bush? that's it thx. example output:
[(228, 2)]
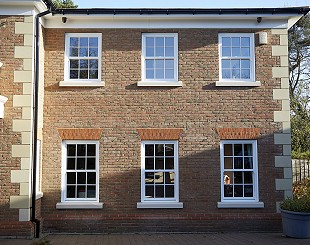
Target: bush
[(302, 189), (300, 155)]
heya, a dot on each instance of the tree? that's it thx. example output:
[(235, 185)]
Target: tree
[(299, 60), (63, 4)]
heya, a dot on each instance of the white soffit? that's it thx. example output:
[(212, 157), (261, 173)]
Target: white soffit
[(21, 7)]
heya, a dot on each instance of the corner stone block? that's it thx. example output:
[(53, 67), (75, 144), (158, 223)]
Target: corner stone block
[(288, 173), (19, 202), (23, 76), (21, 151), (287, 150), (283, 161), (282, 139), (283, 184), (24, 189), (21, 125), (278, 31), (22, 100), (286, 127), (284, 82), (25, 163), (23, 52), (29, 19), (24, 214), (284, 39), (278, 72), (281, 94), (281, 116), (279, 50), (20, 176), (24, 28)]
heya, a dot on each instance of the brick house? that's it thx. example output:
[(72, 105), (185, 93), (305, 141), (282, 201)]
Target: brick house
[(143, 119)]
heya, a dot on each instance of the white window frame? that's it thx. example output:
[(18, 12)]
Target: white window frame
[(78, 203), (159, 82), (160, 202), (241, 202), (238, 81), (82, 82)]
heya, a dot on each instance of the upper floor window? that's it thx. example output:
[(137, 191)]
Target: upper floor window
[(159, 59), (82, 59), (237, 59)]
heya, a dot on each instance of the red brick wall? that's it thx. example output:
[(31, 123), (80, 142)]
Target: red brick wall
[(9, 224), (120, 108)]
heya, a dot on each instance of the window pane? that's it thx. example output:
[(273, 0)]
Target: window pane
[(235, 52), (149, 191), (149, 42), (226, 41), (159, 42), (169, 149), (235, 64), (248, 177), (159, 64), (248, 150), (91, 150), (169, 190), (83, 52), (169, 64), (159, 191), (226, 52), (245, 52), (159, 73), (235, 73), (238, 190), (80, 163), (169, 51), (71, 191), (248, 190), (149, 163), (149, 150), (225, 63), (245, 73), (91, 191), (149, 64), (91, 163), (238, 150), (245, 42), (238, 163), (159, 163), (228, 150), (238, 178), (150, 52), (81, 150), (93, 52), (169, 162), (81, 191), (226, 73), (248, 162), (169, 177), (235, 41), (245, 64), (169, 74), (70, 163), (159, 149), (81, 178), (93, 41), (84, 41), (93, 74), (74, 52), (83, 63), (74, 74), (74, 64), (149, 74), (91, 178), (84, 74), (71, 150), (71, 178), (169, 41), (159, 51), (74, 41), (228, 163), (228, 177), (149, 177), (93, 64), (159, 177), (228, 191)]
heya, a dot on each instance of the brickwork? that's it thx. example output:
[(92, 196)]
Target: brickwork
[(121, 108), (9, 218)]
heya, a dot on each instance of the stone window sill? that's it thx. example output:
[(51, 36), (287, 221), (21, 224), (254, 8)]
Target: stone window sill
[(81, 84), (237, 84), (240, 205), (39, 195), (79, 205), (159, 205), (159, 84)]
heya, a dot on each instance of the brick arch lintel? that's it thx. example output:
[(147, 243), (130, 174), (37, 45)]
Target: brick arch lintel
[(80, 133), (238, 133), (159, 133)]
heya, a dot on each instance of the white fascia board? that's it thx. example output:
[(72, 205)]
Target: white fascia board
[(26, 7), (82, 21)]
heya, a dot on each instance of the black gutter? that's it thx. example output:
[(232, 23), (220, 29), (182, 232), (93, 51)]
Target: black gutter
[(181, 11), (35, 123)]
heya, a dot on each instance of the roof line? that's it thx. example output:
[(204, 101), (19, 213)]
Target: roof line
[(179, 11)]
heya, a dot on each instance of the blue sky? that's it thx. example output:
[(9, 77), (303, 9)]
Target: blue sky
[(189, 3)]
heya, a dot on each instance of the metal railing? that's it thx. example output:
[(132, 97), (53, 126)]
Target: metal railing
[(301, 169)]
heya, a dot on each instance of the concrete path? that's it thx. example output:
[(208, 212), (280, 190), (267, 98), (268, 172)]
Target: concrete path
[(163, 239)]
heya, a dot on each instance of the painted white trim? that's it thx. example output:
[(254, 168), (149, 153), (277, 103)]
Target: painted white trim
[(175, 58), (237, 84), (79, 205), (168, 21), (251, 57), (159, 84), (159, 205), (81, 84), (39, 195), (63, 172), (255, 198), (240, 205), (3, 100), (67, 60), (176, 173)]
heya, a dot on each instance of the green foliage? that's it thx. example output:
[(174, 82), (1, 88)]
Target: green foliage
[(299, 59), (301, 155), (301, 198), (63, 4)]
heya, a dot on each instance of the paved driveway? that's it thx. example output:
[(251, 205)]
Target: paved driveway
[(164, 239)]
